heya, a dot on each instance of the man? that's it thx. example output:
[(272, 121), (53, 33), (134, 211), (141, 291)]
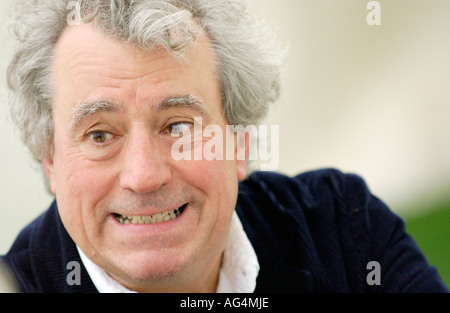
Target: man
[(104, 90)]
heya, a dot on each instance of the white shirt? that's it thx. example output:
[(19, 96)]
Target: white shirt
[(238, 273)]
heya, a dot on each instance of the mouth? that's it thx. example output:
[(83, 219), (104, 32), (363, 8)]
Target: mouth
[(150, 219)]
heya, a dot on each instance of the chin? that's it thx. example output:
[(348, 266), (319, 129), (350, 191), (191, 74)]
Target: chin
[(148, 268)]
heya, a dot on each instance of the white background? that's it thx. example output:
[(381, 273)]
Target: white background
[(373, 100)]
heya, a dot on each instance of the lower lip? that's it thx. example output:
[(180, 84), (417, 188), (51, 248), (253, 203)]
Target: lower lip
[(150, 229)]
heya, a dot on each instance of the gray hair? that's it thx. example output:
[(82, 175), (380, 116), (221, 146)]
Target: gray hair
[(248, 59)]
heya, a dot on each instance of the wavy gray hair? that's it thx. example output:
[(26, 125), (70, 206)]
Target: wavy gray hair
[(248, 59)]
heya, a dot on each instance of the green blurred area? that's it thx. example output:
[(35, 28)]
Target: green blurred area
[(432, 233)]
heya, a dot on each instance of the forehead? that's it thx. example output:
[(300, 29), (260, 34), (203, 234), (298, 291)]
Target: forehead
[(89, 66)]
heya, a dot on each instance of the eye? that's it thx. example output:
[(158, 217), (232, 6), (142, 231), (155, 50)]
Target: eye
[(176, 129), (100, 137)]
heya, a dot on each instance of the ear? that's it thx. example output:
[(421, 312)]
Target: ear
[(49, 170), (241, 155)]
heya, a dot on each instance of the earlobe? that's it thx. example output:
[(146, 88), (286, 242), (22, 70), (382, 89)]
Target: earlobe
[(48, 165), (241, 167)]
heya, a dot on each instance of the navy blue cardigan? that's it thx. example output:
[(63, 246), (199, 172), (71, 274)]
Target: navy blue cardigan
[(315, 232)]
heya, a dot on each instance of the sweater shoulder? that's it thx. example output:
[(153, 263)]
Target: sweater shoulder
[(314, 189), (19, 257)]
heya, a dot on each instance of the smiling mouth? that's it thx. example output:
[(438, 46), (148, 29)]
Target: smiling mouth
[(150, 219)]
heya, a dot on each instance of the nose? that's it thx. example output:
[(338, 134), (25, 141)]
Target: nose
[(145, 168)]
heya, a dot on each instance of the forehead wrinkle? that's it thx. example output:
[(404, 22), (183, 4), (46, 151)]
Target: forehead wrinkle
[(87, 109)]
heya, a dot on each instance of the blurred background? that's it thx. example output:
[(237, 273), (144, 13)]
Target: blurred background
[(371, 100)]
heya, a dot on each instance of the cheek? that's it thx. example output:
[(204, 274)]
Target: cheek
[(80, 185), (78, 175), (213, 177), (218, 182)]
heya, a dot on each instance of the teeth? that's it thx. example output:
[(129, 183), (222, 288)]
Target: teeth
[(146, 219)]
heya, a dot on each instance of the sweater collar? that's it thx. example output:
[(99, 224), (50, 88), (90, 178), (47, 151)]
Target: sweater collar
[(274, 234), (52, 251)]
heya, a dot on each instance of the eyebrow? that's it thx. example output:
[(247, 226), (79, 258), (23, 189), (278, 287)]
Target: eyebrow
[(87, 109), (184, 101)]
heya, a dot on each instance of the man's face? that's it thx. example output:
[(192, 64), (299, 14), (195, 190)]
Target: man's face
[(114, 110)]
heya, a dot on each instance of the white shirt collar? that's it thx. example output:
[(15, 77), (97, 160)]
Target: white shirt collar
[(238, 273)]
